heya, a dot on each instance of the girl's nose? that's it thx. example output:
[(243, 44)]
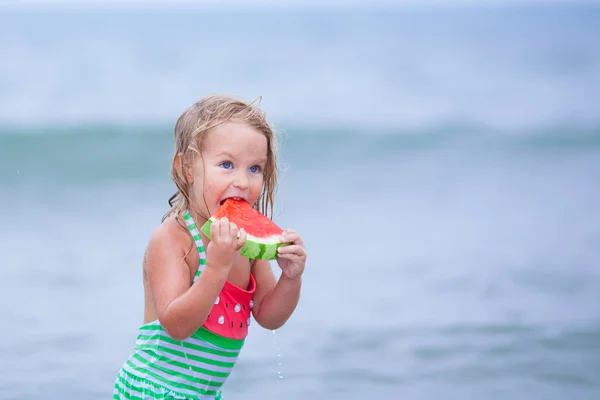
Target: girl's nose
[(241, 181)]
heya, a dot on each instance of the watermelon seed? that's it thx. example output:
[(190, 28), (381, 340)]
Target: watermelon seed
[(241, 324), (232, 324)]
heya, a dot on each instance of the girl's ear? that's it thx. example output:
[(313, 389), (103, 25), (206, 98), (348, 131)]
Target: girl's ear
[(184, 169)]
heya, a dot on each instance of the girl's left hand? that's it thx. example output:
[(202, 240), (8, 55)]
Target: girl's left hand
[(291, 257)]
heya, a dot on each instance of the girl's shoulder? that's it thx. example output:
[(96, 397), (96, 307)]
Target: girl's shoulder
[(170, 246), (172, 233)]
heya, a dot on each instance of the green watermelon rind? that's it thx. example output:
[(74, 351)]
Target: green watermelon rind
[(254, 248)]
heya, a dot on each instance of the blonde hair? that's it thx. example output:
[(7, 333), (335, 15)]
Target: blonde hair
[(191, 128)]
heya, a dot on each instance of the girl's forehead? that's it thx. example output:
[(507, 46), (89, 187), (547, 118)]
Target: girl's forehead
[(235, 138)]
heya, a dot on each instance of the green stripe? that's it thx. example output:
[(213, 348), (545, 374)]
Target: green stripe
[(127, 395), (217, 340), (158, 349), (192, 346), (172, 372), (203, 334), (144, 386), (165, 380), (205, 371), (169, 373)]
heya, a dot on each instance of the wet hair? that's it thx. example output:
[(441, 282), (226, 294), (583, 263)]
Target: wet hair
[(191, 129)]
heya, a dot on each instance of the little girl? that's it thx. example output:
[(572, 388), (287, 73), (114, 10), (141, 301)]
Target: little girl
[(193, 287)]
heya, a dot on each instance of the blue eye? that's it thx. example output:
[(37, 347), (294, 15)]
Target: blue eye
[(226, 164), (255, 169)]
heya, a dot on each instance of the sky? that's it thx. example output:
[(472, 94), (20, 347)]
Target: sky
[(278, 3)]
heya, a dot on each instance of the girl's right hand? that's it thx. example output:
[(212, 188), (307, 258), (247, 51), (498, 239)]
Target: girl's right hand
[(224, 244)]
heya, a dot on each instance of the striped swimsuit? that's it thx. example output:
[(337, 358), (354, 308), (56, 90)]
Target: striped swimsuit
[(161, 367)]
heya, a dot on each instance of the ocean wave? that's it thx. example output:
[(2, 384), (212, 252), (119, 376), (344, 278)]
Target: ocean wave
[(96, 153), (559, 135)]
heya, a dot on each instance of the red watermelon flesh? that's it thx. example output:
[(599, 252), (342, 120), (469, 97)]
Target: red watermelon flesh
[(263, 235)]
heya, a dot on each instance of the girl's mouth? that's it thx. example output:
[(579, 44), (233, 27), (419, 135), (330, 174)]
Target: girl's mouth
[(231, 198)]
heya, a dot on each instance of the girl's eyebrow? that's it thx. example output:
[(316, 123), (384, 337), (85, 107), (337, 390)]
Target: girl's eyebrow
[(262, 161), (226, 154)]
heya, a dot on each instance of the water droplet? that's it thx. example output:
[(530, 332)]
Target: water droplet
[(217, 300), (248, 322), (221, 320), (279, 362), (237, 308), (251, 304)]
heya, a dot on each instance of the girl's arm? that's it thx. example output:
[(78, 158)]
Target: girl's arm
[(183, 309), (274, 301)]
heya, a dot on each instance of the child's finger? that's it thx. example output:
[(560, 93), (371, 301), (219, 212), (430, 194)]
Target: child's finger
[(224, 226), (292, 249), (241, 240), (291, 236), (214, 229), (291, 257), (233, 232)]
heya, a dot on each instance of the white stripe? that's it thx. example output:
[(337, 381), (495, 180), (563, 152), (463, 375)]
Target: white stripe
[(191, 352), (152, 332), (161, 383), (204, 343), (198, 375), (198, 272), (133, 390), (199, 244), (195, 231), (188, 379)]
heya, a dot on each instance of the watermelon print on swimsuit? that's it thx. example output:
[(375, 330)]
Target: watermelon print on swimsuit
[(230, 314)]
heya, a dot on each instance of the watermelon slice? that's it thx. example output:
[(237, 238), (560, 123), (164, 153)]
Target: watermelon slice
[(263, 236)]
